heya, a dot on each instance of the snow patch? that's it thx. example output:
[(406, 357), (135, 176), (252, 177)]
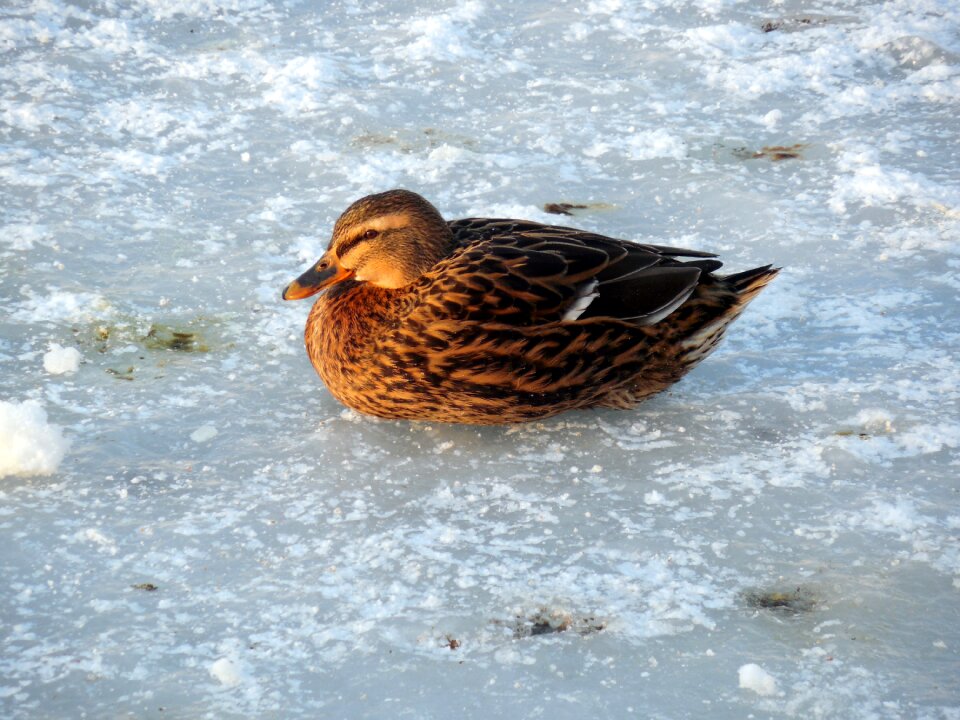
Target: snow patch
[(227, 671), (443, 36), (726, 41), (23, 236), (772, 119), (301, 85), (29, 445), (865, 181), (753, 677), (60, 360), (655, 144), (61, 306)]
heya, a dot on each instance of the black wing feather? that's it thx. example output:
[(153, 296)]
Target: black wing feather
[(644, 297), (521, 272)]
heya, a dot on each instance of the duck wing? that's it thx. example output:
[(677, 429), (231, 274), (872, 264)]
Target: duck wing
[(523, 273)]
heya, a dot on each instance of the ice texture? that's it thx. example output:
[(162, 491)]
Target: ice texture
[(224, 540), (203, 433)]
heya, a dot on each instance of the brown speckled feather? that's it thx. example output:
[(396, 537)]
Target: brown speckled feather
[(518, 321)]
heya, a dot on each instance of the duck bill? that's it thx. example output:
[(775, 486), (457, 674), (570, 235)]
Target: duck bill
[(323, 274)]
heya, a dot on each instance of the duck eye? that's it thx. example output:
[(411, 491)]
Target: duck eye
[(370, 234)]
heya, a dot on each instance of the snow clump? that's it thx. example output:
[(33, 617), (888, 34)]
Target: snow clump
[(753, 677), (29, 445), (60, 360)]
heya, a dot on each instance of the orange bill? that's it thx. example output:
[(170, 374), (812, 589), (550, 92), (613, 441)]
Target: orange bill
[(323, 274)]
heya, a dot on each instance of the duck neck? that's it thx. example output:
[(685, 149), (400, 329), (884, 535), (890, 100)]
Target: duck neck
[(344, 322), (431, 248)]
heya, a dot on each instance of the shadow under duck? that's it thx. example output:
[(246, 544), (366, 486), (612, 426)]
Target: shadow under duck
[(491, 321)]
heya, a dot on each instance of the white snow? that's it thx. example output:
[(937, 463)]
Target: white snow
[(59, 360), (227, 540), (29, 444), (657, 143), (59, 306), (301, 85), (442, 36), (96, 537), (772, 119), (226, 671), (755, 678)]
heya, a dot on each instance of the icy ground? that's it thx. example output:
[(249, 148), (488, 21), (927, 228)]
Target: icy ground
[(191, 527)]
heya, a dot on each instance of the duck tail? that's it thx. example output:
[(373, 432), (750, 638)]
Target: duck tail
[(728, 296), (749, 283)]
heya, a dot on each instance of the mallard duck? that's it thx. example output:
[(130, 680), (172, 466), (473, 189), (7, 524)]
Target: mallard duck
[(489, 321)]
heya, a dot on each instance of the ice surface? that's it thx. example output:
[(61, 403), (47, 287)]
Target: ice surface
[(203, 434), (167, 167)]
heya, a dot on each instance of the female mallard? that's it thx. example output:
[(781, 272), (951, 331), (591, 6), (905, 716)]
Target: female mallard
[(498, 321)]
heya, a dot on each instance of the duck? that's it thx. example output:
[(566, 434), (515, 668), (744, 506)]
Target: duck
[(489, 321)]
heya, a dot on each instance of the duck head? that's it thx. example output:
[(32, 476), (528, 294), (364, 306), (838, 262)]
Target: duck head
[(388, 240)]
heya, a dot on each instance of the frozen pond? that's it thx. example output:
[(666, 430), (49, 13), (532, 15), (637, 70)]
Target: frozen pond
[(193, 528)]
